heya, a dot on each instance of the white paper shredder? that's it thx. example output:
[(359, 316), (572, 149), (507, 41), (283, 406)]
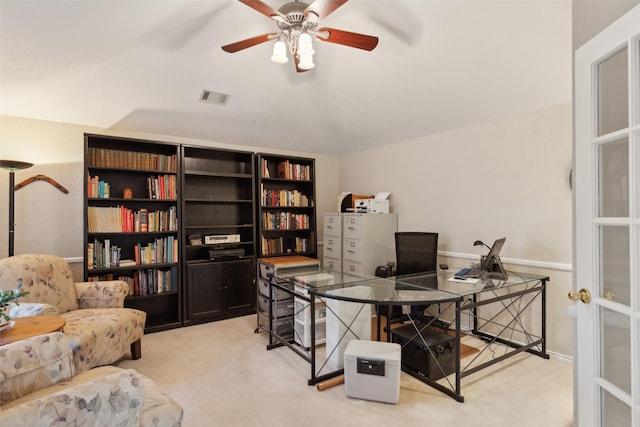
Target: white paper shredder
[(372, 370)]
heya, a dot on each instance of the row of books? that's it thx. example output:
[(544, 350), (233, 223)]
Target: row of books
[(103, 254), (285, 221), (121, 159), (294, 171), (287, 170), (284, 198), (163, 249), (162, 187), (281, 245), (145, 282), (120, 219), (97, 188)]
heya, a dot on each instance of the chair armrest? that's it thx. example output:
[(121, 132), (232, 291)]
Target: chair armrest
[(27, 309), (114, 399), (32, 364), (102, 294)]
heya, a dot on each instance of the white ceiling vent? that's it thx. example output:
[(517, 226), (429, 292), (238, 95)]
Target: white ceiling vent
[(214, 97)]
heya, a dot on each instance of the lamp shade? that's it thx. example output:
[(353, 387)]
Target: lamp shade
[(306, 62), (279, 53), (305, 47), (14, 165)]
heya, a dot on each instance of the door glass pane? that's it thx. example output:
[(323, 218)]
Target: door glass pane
[(614, 268), (613, 177), (615, 348), (613, 107), (614, 411)]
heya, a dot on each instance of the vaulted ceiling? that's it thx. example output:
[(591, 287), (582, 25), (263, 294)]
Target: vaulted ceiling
[(142, 66)]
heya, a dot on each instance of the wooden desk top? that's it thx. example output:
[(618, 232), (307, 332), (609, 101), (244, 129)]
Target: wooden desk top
[(27, 327)]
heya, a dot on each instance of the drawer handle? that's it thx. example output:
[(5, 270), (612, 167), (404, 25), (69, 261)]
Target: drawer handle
[(352, 268), (352, 244), (329, 249), (351, 252)]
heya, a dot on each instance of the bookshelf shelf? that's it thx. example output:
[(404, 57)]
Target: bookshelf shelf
[(145, 224)]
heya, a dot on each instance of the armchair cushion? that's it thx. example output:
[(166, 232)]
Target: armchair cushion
[(100, 336)]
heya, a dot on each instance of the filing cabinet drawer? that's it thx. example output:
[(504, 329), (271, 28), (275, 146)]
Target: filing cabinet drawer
[(352, 227), (352, 267), (332, 263), (353, 250), (332, 246), (332, 225)]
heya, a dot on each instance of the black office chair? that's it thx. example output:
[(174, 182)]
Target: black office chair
[(416, 252)]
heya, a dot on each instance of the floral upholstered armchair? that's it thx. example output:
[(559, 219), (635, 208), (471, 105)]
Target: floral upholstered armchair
[(98, 326), (38, 386)]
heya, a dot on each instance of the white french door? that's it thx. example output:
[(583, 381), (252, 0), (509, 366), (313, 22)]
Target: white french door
[(607, 182)]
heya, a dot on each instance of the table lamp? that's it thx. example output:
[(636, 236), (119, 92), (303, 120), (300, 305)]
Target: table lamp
[(12, 166)]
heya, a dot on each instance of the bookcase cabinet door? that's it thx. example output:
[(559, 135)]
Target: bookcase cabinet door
[(205, 287), (240, 291), (217, 290)]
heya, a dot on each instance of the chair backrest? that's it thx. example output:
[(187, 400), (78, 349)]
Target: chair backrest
[(416, 252), (48, 279)]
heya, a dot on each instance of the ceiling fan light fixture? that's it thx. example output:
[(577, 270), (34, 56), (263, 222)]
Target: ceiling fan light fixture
[(305, 47), (306, 62), (279, 53)]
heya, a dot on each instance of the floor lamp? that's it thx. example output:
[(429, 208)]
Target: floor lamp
[(12, 166)]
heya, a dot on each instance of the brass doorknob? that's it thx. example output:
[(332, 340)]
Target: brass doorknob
[(582, 295)]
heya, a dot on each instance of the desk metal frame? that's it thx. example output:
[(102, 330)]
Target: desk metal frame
[(509, 301)]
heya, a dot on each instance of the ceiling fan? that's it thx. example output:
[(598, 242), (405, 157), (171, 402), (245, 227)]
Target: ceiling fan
[(297, 25)]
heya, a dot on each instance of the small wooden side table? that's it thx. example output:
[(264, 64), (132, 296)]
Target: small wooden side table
[(27, 327)]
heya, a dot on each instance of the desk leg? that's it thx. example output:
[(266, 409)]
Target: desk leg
[(457, 353), (312, 307)]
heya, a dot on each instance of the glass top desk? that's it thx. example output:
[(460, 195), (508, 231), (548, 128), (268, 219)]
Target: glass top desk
[(507, 315)]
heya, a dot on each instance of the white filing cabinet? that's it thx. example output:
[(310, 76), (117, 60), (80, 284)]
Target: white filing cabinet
[(332, 238), (368, 240)]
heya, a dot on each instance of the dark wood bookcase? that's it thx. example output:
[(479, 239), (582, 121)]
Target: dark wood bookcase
[(286, 206), (219, 233), (132, 219)]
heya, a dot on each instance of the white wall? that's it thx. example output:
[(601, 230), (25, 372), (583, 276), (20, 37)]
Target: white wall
[(506, 178)]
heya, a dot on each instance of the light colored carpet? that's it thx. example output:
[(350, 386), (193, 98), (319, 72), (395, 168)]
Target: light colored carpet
[(222, 375)]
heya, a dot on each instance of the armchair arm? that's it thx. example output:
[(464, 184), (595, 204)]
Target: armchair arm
[(26, 309), (114, 399), (102, 294), (33, 364)]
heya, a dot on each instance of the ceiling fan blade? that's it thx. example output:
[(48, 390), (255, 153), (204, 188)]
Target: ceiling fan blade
[(264, 9), (347, 38), (244, 44), (323, 8)]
